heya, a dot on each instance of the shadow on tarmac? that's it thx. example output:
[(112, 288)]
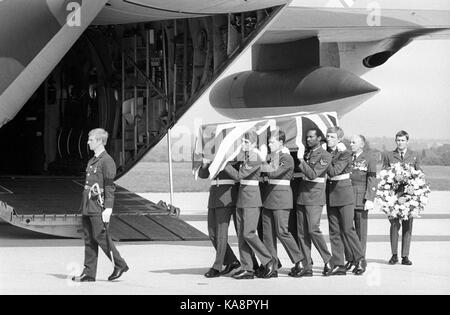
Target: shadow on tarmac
[(187, 271)]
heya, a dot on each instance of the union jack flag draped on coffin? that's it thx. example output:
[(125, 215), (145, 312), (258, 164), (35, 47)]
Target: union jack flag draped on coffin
[(221, 143)]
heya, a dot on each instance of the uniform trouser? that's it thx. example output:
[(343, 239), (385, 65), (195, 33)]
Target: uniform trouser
[(247, 224), (308, 230), (95, 236), (406, 235), (218, 223), (361, 225), (342, 231), (275, 224)]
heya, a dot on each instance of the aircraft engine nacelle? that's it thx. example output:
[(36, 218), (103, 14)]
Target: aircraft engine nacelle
[(254, 94)]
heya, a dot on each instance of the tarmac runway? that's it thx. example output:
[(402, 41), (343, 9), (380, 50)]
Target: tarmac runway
[(44, 265)]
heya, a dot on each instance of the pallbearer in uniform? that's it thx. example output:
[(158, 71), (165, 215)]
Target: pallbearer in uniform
[(278, 202), (221, 207), (364, 181), (97, 205), (401, 155), (248, 211), (341, 206), (310, 202)]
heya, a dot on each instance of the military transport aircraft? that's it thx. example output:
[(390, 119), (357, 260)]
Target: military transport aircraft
[(135, 67)]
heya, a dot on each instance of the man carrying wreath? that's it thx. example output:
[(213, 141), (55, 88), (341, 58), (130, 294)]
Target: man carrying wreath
[(405, 156)]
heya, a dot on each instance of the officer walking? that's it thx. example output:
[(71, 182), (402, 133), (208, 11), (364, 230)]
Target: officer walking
[(364, 181), (248, 211), (278, 201), (341, 205), (401, 155), (221, 206), (310, 202), (97, 205)]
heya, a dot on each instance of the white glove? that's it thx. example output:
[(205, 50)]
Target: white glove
[(341, 147), (206, 161), (106, 215), (301, 152), (368, 205), (285, 150)]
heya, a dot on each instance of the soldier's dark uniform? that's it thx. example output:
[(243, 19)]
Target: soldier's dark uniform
[(364, 181), (277, 204), (390, 158), (340, 208), (310, 202), (100, 171), (221, 206), (248, 211)]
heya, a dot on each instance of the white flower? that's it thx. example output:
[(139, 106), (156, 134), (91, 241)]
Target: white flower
[(420, 182), (387, 187), (424, 200), (414, 203), (383, 173)]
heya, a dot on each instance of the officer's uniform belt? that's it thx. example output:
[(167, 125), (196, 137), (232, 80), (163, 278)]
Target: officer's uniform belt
[(221, 182), (320, 180), (87, 187), (340, 177), (280, 182), (249, 182)]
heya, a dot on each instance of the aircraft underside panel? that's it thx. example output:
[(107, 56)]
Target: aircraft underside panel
[(34, 37)]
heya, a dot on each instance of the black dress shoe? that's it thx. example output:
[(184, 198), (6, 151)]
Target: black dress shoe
[(406, 261), (326, 269), (336, 271), (270, 268), (274, 274), (349, 265), (117, 273), (212, 273), (244, 274), (304, 273), (259, 271), (393, 260), (360, 267), (295, 270), (229, 268), (83, 278)]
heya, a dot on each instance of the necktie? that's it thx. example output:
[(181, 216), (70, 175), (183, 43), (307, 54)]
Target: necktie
[(402, 154)]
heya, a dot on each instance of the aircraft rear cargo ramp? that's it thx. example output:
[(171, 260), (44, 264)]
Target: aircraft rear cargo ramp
[(51, 206)]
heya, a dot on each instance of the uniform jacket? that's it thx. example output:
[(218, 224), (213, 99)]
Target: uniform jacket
[(279, 197), (248, 196), (340, 193), (314, 166), (100, 170), (393, 157), (364, 178), (223, 196)]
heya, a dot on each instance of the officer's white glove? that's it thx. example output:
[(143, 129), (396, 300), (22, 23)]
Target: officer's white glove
[(368, 205), (206, 161), (301, 152), (341, 147), (106, 215), (285, 150)]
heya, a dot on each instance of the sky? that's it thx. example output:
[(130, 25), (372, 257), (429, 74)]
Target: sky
[(414, 96)]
